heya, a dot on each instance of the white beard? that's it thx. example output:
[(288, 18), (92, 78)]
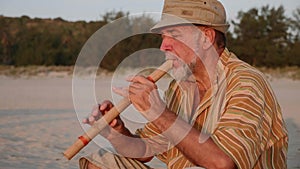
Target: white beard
[(183, 72)]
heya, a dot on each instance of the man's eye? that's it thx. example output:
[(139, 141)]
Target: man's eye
[(175, 36)]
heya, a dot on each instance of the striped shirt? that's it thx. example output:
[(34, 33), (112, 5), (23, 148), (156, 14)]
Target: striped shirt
[(240, 112)]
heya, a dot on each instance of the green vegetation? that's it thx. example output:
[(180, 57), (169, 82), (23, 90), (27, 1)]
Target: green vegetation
[(267, 38), (262, 37), (26, 41)]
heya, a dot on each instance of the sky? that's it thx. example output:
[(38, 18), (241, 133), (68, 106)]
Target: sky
[(92, 10)]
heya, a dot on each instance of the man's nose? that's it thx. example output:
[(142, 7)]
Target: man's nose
[(166, 44)]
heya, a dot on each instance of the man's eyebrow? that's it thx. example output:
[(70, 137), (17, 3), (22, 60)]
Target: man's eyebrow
[(172, 31)]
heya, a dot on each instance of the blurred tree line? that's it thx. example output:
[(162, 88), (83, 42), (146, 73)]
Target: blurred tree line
[(266, 37), (261, 37)]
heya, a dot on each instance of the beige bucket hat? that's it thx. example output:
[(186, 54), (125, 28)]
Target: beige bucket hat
[(204, 12)]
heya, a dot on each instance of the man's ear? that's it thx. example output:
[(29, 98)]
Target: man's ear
[(208, 38)]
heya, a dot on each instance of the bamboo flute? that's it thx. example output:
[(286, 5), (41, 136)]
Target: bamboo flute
[(100, 124)]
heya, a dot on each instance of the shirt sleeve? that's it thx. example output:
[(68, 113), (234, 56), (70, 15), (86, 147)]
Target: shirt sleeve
[(157, 144)]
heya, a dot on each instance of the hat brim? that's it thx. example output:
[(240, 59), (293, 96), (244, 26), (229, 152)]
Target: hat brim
[(168, 20)]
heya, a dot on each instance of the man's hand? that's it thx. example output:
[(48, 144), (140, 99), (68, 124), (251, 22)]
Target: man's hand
[(144, 96), (100, 110)]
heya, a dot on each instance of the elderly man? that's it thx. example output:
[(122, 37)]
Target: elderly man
[(218, 112)]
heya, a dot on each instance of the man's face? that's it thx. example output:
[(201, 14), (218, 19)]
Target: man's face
[(182, 45)]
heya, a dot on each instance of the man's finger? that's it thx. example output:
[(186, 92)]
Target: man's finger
[(95, 113), (105, 105), (85, 121), (91, 119), (113, 122), (121, 91), (138, 79)]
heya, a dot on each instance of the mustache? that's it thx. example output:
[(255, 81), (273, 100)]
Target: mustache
[(171, 56)]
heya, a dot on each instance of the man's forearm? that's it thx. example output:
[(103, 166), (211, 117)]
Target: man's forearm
[(186, 139), (129, 145)]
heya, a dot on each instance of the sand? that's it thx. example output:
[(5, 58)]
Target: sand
[(38, 121)]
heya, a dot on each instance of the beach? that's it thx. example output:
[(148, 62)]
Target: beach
[(39, 121)]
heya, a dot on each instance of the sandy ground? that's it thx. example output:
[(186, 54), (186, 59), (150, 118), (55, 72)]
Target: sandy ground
[(38, 121)]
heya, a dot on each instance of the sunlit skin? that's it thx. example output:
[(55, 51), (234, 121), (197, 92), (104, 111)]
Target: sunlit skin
[(181, 44)]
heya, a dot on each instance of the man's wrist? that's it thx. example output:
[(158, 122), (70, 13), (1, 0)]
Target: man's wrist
[(118, 132)]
